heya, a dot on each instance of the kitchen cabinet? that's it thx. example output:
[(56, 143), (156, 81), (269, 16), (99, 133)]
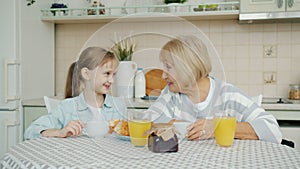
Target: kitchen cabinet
[(10, 127), (27, 64), (289, 122), (261, 11), (290, 130), (258, 6), (285, 114), (293, 5), (31, 113)]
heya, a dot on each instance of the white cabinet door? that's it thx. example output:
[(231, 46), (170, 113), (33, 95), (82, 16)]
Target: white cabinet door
[(30, 114), (292, 133), (264, 6), (293, 5), (9, 130)]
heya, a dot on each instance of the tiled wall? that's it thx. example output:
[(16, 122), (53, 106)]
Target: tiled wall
[(258, 58)]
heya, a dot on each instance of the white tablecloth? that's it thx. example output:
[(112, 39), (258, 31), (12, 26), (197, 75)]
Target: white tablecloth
[(110, 152)]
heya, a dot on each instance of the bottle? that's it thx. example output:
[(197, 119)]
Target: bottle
[(139, 84)]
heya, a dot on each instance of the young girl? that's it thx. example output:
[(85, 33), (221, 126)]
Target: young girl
[(92, 79)]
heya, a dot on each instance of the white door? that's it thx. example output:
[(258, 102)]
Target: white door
[(9, 55), (9, 130), (262, 6), (9, 74)]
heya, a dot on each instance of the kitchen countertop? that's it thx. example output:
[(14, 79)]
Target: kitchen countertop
[(280, 111), (281, 106), (131, 102), (140, 103), (272, 104)]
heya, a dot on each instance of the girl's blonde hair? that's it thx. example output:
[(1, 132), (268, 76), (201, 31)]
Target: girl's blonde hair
[(90, 58), (189, 56), (69, 81)]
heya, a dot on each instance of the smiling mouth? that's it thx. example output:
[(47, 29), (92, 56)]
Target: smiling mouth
[(170, 83), (106, 86)]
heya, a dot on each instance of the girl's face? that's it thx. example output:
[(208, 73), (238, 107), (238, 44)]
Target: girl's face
[(102, 77)]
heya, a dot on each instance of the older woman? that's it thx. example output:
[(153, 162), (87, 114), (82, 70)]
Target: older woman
[(193, 95)]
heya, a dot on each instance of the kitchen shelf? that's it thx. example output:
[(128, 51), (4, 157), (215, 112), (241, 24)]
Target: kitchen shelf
[(224, 10)]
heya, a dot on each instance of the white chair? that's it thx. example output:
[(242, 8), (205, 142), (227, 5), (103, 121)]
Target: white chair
[(258, 99), (51, 103)]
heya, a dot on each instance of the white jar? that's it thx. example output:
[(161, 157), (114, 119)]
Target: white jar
[(139, 84)]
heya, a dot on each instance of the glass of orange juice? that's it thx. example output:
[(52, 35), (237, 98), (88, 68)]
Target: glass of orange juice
[(224, 127), (138, 123)]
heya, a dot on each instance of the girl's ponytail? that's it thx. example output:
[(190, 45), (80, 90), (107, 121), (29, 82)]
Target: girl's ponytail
[(76, 81)]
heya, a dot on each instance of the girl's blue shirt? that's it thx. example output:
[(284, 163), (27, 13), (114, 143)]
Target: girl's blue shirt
[(75, 109)]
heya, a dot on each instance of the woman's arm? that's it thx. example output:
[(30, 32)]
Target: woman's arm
[(244, 131), (204, 129)]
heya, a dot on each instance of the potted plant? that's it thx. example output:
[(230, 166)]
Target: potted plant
[(30, 2), (174, 5), (124, 49), (174, 1), (58, 5), (124, 78)]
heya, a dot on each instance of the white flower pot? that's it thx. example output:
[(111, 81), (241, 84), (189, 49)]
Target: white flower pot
[(124, 79), (174, 7), (114, 3)]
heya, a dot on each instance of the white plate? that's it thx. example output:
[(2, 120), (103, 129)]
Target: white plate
[(125, 138)]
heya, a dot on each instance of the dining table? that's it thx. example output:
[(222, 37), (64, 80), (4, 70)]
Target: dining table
[(110, 151)]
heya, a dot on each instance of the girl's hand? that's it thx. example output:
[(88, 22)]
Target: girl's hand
[(201, 129), (73, 128)]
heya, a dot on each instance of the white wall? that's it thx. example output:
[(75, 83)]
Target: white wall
[(241, 49)]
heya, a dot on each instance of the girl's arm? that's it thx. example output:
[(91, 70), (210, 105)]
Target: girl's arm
[(73, 128)]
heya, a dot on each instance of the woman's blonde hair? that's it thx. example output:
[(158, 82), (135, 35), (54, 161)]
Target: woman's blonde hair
[(189, 56), (90, 58)]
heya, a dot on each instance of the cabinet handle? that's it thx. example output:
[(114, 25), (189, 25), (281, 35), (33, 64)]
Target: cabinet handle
[(290, 3), (6, 64), (279, 3), (6, 125)]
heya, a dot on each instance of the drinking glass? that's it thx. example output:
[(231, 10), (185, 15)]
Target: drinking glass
[(224, 127), (138, 123)]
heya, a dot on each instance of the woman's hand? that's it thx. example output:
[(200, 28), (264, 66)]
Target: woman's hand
[(73, 128), (201, 129)]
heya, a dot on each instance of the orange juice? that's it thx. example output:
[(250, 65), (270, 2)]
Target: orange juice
[(137, 130), (224, 130)]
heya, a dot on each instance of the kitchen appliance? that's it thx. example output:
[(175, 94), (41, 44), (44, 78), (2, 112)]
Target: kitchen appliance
[(287, 116), (290, 130), (273, 100), (260, 11), (27, 49)]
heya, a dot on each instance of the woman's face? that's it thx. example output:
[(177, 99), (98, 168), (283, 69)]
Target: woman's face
[(171, 77), (102, 77)]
